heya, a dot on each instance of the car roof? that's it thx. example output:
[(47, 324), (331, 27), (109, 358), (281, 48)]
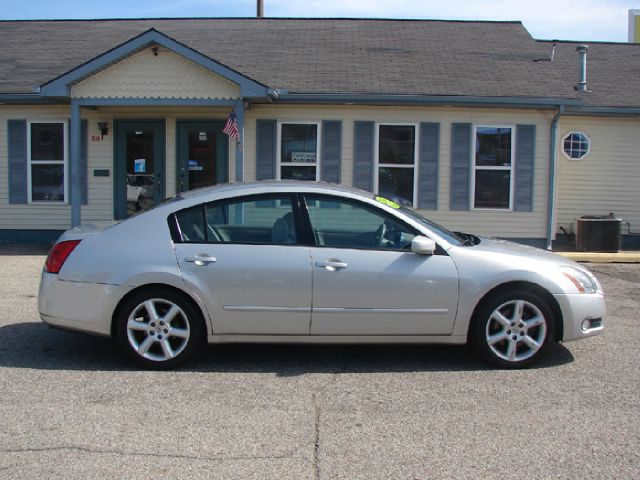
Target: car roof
[(265, 186)]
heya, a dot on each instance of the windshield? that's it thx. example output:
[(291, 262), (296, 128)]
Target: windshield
[(447, 235)]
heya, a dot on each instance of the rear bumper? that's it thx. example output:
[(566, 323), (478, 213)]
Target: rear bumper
[(86, 307), (583, 315)]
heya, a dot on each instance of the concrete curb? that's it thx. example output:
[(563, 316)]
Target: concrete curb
[(601, 257)]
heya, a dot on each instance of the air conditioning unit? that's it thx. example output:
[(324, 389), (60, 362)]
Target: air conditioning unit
[(595, 233)]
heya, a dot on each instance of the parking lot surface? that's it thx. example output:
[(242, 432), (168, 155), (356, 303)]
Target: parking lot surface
[(71, 407)]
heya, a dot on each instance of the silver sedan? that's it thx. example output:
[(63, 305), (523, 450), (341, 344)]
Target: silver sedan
[(309, 262)]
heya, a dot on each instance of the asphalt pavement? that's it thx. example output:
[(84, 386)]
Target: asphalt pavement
[(72, 408)]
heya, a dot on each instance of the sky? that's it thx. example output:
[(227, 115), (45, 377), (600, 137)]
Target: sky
[(593, 20)]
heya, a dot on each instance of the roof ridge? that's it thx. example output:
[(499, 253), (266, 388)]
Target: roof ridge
[(355, 19)]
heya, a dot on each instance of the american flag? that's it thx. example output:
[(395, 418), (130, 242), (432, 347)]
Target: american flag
[(231, 128)]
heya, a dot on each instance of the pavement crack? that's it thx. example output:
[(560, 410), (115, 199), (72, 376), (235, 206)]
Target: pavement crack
[(316, 413), (215, 458), (316, 438)]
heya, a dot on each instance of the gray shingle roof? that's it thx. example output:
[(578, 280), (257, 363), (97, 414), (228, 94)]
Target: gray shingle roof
[(359, 56)]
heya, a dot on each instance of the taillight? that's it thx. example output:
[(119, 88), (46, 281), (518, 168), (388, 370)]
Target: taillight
[(59, 254)]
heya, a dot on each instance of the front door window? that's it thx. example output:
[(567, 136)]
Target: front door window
[(202, 155), (139, 166), (140, 162)]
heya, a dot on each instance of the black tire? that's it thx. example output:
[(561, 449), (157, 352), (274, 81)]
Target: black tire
[(162, 341), (523, 339)]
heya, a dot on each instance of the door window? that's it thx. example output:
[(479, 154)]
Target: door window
[(140, 170), (201, 158), (342, 223), (253, 220)]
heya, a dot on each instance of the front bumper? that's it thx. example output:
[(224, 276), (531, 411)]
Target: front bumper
[(583, 315), (86, 307)]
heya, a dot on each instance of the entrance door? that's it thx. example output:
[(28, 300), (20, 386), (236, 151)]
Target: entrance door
[(202, 155), (139, 165)]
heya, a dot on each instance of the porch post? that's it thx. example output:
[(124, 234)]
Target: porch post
[(74, 158), (239, 107)]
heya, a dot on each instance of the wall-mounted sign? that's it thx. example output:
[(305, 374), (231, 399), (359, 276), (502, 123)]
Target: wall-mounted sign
[(303, 157), (194, 166), (139, 165)]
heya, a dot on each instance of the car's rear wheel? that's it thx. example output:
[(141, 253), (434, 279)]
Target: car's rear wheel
[(512, 329), (159, 328)]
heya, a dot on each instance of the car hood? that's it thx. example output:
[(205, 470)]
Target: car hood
[(496, 246)]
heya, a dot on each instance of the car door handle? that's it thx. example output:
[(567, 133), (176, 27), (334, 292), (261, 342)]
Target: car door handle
[(332, 266), (200, 260)]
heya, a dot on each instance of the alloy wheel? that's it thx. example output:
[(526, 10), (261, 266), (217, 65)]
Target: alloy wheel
[(158, 329), (516, 330)]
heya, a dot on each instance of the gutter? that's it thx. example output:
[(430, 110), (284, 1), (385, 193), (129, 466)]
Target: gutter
[(553, 165), (29, 98), (441, 100), (605, 111)]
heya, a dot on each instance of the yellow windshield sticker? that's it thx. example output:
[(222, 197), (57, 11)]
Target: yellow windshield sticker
[(387, 202)]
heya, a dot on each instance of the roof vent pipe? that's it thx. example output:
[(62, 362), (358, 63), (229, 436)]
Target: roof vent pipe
[(260, 8), (582, 51)]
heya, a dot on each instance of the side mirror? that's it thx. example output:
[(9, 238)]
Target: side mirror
[(423, 245)]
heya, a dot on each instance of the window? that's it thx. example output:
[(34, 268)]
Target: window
[(299, 151), (47, 154), (255, 220), (492, 167), (576, 145), (342, 223), (396, 162)]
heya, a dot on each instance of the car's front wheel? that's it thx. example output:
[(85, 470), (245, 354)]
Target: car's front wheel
[(512, 329), (159, 328)]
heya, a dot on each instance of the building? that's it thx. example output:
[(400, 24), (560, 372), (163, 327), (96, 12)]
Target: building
[(480, 126)]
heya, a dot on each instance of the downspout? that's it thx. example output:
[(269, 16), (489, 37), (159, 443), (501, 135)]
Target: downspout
[(553, 165)]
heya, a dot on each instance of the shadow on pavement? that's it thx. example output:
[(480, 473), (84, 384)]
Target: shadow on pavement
[(16, 249), (34, 345)]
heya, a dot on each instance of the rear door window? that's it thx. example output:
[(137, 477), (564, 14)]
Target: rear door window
[(246, 220)]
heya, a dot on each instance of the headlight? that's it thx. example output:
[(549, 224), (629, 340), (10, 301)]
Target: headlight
[(582, 281)]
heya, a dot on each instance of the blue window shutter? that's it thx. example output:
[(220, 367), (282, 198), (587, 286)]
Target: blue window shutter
[(331, 149), (84, 160), (523, 181), (428, 166), (266, 149), (460, 165), (18, 163), (363, 155)]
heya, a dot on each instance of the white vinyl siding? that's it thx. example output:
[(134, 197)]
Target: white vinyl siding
[(607, 179), (57, 216), (165, 75), (503, 223), (604, 181)]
